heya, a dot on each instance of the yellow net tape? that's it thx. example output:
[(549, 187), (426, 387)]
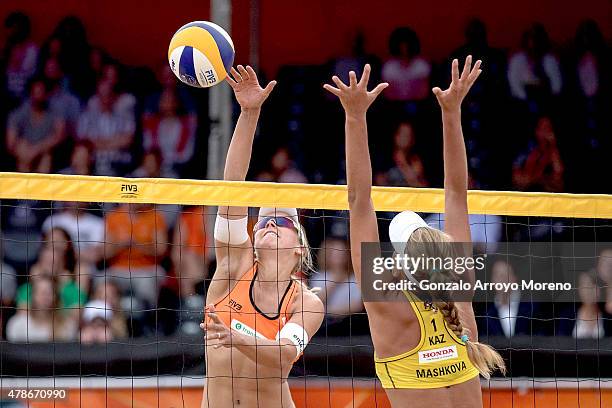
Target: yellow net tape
[(56, 187)]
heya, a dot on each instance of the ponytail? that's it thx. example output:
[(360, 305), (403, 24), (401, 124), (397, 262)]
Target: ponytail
[(484, 357)]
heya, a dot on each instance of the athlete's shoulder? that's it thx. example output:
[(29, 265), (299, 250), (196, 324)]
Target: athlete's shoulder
[(306, 300)]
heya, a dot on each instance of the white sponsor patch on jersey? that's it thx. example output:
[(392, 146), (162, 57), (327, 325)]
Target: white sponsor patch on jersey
[(440, 354), (244, 329)]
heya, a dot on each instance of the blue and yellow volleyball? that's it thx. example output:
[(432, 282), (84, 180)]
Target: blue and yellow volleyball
[(201, 54)]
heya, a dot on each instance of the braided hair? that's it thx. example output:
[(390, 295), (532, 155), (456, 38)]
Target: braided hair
[(436, 243)]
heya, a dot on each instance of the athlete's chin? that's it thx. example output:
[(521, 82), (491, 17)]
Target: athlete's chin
[(273, 246), (270, 242)]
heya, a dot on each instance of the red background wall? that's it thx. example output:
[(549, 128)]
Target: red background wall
[(292, 31)]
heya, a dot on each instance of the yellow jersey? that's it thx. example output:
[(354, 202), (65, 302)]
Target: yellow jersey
[(439, 360)]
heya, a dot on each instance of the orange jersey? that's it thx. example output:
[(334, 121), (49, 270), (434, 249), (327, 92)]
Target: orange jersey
[(238, 311), (193, 225), (142, 228)]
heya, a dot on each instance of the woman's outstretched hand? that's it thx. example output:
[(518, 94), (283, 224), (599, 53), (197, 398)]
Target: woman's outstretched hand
[(249, 94), (451, 98), (355, 97)]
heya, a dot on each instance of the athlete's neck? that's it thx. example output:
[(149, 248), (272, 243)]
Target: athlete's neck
[(273, 275)]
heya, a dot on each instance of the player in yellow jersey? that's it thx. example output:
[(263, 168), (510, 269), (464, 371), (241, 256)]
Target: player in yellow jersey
[(426, 353)]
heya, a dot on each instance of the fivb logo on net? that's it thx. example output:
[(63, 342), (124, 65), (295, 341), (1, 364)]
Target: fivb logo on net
[(129, 190)]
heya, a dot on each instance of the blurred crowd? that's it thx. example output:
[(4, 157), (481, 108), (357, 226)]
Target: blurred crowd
[(71, 108), (537, 120)]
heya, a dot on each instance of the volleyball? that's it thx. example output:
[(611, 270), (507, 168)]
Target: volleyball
[(201, 54)]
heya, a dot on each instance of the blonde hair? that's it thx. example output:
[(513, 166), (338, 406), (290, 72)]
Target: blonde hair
[(306, 263), (436, 243)]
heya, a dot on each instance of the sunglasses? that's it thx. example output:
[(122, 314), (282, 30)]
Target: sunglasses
[(283, 222)]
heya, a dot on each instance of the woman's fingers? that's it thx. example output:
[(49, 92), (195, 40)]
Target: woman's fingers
[(216, 336), (215, 318), (339, 83), (251, 72), (353, 79), (331, 89), (213, 327), (379, 88), (236, 75), (475, 72), (231, 81), (466, 67), (268, 89), (455, 71), (365, 77), (243, 72)]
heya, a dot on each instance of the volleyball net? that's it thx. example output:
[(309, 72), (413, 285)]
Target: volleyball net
[(103, 285)]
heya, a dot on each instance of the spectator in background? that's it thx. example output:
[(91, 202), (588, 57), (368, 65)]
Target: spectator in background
[(125, 102), (169, 83), (356, 60), (8, 285), (481, 117), (407, 170), (589, 63), (486, 230), (136, 242), (587, 108), (540, 167), (171, 131), (57, 260), (109, 124), (20, 55), (407, 72), (21, 222), (86, 231), (282, 169), (33, 130), (507, 315), (604, 272), (183, 294), (81, 159), (89, 78), (151, 167), (95, 323), (51, 50), (73, 56), (63, 103), (189, 250), (42, 321), (477, 45), (109, 293), (339, 290), (533, 72), (151, 164), (589, 320)]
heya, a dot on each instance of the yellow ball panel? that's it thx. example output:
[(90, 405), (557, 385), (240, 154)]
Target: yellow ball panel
[(201, 40)]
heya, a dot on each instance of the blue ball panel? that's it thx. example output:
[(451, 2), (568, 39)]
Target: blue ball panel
[(225, 48), (187, 68)]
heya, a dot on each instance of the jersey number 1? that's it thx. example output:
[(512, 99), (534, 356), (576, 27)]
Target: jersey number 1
[(433, 323)]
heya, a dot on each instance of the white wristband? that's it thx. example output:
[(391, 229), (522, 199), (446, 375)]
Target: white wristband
[(296, 334), (233, 232)]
